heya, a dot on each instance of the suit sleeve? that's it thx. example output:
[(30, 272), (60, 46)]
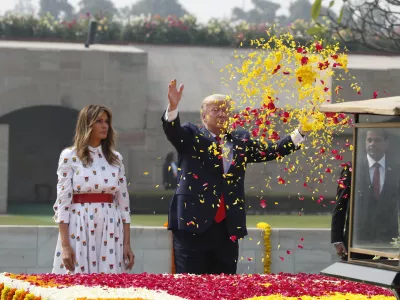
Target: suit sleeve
[(179, 136), (340, 211), (260, 152)]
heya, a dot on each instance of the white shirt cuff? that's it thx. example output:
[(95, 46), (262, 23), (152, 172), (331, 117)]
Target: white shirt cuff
[(297, 138), (172, 115)]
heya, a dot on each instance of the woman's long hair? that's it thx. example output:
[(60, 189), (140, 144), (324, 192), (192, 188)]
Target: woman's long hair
[(86, 119)]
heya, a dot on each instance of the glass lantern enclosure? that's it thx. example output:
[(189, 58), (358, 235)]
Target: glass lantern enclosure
[(375, 195), (374, 213)]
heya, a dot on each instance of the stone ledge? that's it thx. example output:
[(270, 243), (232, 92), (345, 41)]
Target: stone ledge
[(46, 46), (31, 249)]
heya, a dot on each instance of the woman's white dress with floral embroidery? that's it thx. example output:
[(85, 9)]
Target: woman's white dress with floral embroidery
[(95, 229)]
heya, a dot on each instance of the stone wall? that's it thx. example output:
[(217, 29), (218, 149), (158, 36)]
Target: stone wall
[(43, 86), (26, 249)]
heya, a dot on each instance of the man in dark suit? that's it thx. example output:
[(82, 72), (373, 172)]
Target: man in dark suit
[(207, 212), (376, 199)]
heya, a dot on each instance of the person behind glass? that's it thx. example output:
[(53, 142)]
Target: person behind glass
[(92, 207), (376, 197), (207, 211), (170, 172)]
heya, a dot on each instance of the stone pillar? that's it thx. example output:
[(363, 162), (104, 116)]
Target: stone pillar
[(4, 141)]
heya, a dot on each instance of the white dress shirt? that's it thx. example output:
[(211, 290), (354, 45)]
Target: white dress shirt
[(382, 169), (227, 154)]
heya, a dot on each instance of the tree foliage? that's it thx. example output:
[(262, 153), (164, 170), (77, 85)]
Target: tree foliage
[(264, 11), (24, 7), (163, 8), (56, 7), (372, 23), (105, 7)]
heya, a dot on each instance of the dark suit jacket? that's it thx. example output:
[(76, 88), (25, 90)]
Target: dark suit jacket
[(340, 220), (201, 183), (374, 220)]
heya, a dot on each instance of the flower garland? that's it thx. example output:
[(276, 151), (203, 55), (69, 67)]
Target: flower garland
[(8, 293), (281, 286), (110, 299), (267, 244), (337, 296)]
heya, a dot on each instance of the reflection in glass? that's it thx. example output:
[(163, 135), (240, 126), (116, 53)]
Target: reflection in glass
[(376, 190)]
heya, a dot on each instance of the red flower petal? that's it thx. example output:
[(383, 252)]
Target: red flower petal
[(263, 203), (271, 106), (318, 47), (304, 60)]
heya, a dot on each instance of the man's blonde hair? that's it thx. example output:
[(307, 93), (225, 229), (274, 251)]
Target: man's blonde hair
[(213, 99)]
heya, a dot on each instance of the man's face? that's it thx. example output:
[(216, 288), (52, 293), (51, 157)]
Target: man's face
[(216, 115), (376, 144)]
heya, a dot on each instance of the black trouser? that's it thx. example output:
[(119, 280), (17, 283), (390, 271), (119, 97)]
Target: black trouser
[(211, 252)]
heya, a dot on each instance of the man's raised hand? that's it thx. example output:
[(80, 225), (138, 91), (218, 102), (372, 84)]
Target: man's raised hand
[(174, 95)]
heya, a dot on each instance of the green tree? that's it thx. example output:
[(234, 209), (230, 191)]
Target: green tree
[(95, 7), (24, 7), (301, 9), (264, 11), (163, 8), (372, 24), (56, 7)]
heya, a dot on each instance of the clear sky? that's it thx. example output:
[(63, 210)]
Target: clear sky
[(203, 9)]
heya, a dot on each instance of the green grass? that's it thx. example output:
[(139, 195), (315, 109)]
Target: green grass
[(276, 221)]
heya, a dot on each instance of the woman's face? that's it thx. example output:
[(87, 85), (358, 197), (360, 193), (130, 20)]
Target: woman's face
[(100, 127)]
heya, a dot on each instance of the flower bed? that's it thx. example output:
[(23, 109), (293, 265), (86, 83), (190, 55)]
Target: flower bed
[(167, 286), (157, 30)]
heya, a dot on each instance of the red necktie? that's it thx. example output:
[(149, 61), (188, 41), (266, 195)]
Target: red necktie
[(220, 216), (376, 181)]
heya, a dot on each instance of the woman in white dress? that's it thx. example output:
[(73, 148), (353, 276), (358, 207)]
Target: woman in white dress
[(92, 206)]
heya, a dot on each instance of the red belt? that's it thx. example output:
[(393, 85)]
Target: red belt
[(92, 198)]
